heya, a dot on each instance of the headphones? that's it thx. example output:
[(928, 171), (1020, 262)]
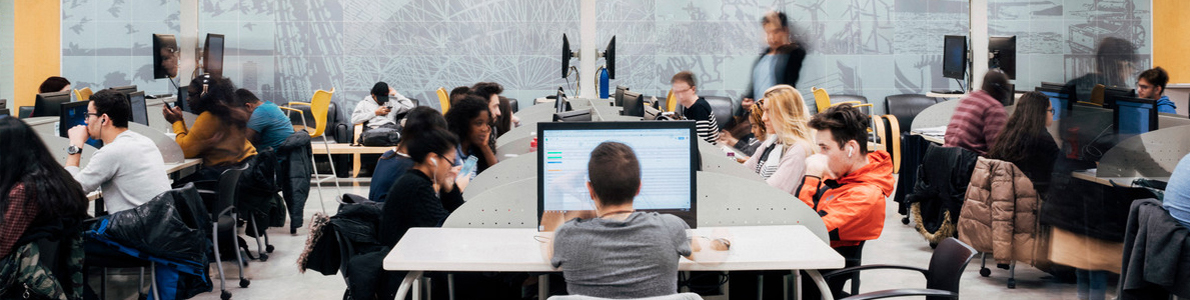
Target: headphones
[(849, 149), (434, 162)]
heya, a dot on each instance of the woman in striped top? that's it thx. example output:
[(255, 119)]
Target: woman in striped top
[(781, 159)]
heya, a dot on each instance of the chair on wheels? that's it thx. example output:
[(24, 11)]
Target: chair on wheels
[(942, 278), (220, 203)]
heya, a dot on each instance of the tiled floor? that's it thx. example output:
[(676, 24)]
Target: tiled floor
[(278, 278)]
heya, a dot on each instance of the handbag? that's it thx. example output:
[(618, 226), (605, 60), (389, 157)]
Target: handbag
[(381, 136)]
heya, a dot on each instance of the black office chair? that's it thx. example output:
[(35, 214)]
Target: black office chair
[(906, 106), (513, 103), (24, 112), (721, 107), (220, 202), (942, 278)]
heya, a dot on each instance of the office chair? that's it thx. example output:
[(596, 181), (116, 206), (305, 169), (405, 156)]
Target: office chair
[(443, 100), (83, 94), (220, 202), (942, 278), (319, 105)]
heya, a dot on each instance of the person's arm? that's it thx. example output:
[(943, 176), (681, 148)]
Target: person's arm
[(755, 158), (793, 67), (486, 150), (364, 112), (100, 169), (17, 217), (195, 140), (852, 211), (701, 114), (252, 136), (993, 123), (792, 168), (403, 104)]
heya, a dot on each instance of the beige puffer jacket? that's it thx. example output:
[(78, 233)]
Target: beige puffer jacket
[(999, 213)]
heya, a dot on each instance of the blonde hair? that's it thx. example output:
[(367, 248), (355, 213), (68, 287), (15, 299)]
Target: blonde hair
[(789, 116)]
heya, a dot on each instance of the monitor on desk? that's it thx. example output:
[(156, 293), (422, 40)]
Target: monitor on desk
[(126, 90), (1113, 93), (618, 98), (1133, 116), (212, 59), (582, 115), (3, 103), (73, 114), (136, 102), (1002, 50), (634, 104), (183, 94), (4, 113), (1058, 99), (954, 57), (49, 104), (666, 151), (561, 104)]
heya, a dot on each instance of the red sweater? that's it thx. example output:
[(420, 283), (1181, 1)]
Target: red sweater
[(17, 216), (976, 122)]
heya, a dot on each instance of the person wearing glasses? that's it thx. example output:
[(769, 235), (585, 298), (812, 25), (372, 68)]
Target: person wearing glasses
[(1026, 143), (696, 108)]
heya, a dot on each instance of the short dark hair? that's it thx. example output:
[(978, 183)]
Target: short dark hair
[(614, 173), (114, 104), (685, 76), (434, 140), (458, 93), (458, 119), (53, 84), (1156, 76), (485, 90), (246, 96), (995, 83), (846, 123), (775, 16), (421, 118)]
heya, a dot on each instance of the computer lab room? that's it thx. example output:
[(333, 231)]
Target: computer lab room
[(594, 149)]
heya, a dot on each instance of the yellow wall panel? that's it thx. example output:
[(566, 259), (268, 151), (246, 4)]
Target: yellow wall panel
[(37, 53), (1170, 41)]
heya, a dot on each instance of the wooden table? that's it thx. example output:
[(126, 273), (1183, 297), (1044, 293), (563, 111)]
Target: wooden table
[(344, 148)]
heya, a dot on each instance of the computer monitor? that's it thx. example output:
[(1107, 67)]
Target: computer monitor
[(73, 114), (126, 90), (954, 57), (634, 104), (49, 104), (212, 60), (666, 150), (560, 102), (4, 112), (1111, 94), (1058, 99), (165, 47), (582, 115), (1132, 116), (140, 114), (619, 96), (183, 94), (3, 103), (1003, 54)]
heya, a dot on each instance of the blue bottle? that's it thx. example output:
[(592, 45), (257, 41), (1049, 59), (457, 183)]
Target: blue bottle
[(603, 83)]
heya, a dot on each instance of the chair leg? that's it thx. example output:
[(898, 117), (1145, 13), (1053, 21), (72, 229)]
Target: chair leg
[(103, 285), (153, 280), (983, 262), (235, 240), (140, 291), (1012, 275), (259, 246), (218, 258)]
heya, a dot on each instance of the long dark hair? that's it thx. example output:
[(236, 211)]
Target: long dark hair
[(220, 99), (25, 159), (1026, 123), (504, 122), (458, 119)]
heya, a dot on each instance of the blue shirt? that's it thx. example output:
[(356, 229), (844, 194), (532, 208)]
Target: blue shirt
[(1177, 192), (271, 125), (1164, 105), (763, 75), (390, 167)]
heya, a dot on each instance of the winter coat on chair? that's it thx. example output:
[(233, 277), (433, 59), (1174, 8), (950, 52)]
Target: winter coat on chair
[(999, 214), (941, 186)]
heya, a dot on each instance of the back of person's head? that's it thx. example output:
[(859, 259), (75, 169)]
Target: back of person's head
[(1113, 60), (113, 104), (219, 99), (26, 160), (485, 90), (614, 173), (247, 96), (846, 123), (685, 76), (1156, 77), (433, 140), (788, 115), (459, 118), (504, 123), (995, 83), (53, 84), (459, 93), (421, 118), (1027, 121)]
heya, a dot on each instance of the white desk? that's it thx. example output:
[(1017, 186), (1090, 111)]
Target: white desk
[(778, 247), (172, 168), (1121, 181)]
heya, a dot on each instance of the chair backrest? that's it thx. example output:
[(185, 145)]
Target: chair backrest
[(947, 265), (848, 98), (319, 105), (24, 112), (721, 107), (443, 100), (229, 182), (1098, 93), (671, 103), (822, 100), (83, 94), (513, 103), (906, 106)]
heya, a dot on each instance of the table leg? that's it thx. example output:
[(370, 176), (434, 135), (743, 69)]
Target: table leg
[(797, 285), (543, 286), (821, 283), (355, 165), (407, 284)]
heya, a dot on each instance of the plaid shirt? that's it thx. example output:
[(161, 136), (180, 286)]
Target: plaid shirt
[(17, 217)]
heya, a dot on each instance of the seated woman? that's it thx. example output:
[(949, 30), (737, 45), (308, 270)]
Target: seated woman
[(1026, 143), (747, 143), (1177, 192), (38, 199), (219, 135), (781, 159), (470, 119), (394, 163), (507, 121)]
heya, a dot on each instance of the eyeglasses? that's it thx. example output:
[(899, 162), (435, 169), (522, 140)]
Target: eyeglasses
[(1050, 110), (89, 114)]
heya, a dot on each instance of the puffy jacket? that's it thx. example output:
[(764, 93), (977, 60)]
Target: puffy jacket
[(999, 213), (852, 207), (293, 174)]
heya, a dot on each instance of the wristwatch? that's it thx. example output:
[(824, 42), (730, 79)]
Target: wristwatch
[(72, 150)]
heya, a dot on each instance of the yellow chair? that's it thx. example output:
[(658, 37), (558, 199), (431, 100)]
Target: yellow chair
[(319, 105), (822, 100), (83, 94), (671, 103), (443, 100), (894, 139), (1098, 93)]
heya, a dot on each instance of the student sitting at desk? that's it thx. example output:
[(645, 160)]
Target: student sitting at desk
[(393, 163), (1025, 141), (54, 84), (980, 116), (490, 92), (747, 143), (1177, 192), (269, 126), (621, 253), (697, 108), (219, 135), (845, 183), (1151, 85), (781, 159), (470, 120)]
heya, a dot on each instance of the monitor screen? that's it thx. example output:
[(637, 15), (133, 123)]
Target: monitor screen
[(49, 104), (1112, 93), (1002, 50), (126, 90), (633, 104), (212, 60), (1134, 116), (954, 57), (4, 112), (1058, 100), (619, 97), (3, 103), (582, 115), (74, 114), (666, 151), (136, 101), (560, 104), (165, 56)]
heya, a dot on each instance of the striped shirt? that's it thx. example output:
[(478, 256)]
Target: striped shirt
[(976, 122), (704, 117)]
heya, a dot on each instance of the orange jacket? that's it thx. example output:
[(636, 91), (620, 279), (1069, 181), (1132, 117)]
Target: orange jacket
[(852, 207)]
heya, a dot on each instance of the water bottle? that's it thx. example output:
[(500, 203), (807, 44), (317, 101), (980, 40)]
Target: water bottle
[(603, 83)]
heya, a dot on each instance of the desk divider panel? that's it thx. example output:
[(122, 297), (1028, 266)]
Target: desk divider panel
[(507, 171), (935, 115), (714, 160), (171, 152), (157, 121), (1166, 121), (1152, 154)]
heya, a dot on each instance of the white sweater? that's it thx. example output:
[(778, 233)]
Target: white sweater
[(365, 110), (129, 171)]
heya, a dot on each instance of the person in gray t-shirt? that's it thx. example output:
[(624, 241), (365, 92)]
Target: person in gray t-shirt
[(621, 253)]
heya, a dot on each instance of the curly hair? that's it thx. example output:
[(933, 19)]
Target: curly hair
[(458, 119), (219, 99)]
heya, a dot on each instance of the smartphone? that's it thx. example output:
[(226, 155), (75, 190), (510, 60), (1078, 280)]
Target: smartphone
[(469, 167), (167, 104)]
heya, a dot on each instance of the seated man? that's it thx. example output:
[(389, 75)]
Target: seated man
[(697, 108), (846, 184), (621, 253), (1151, 85), (980, 116), (1177, 193), (376, 110), (269, 126)]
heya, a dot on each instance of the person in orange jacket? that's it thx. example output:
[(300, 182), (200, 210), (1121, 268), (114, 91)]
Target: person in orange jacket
[(845, 183)]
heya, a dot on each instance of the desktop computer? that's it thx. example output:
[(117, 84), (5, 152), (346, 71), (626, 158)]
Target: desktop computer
[(74, 114)]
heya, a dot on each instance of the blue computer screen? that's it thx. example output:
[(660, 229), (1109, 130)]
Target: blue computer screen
[(74, 114), (1134, 117), (1058, 101)]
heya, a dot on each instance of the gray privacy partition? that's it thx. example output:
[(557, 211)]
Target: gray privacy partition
[(509, 170), (45, 127), (935, 115), (1168, 120), (723, 200), (157, 120), (1153, 154), (714, 160), (170, 151)]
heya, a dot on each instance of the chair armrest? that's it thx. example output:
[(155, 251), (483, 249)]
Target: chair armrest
[(853, 103), (904, 293), (872, 267), (298, 103), (291, 109)]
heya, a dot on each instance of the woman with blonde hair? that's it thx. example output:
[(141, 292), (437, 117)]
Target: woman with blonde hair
[(780, 160)]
